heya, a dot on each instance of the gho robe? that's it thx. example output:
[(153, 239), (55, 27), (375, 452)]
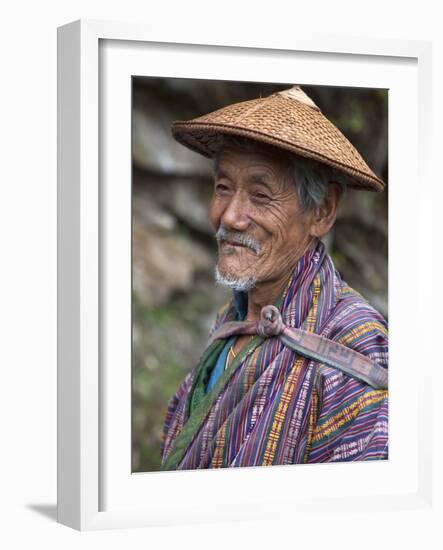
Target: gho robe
[(273, 406)]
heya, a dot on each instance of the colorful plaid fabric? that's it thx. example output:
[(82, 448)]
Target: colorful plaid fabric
[(272, 406)]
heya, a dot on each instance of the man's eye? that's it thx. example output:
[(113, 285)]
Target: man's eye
[(261, 196), (221, 188)]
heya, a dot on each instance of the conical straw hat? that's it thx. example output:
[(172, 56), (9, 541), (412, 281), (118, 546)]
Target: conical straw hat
[(289, 120)]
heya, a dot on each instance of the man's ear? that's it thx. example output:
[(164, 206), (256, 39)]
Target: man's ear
[(324, 216)]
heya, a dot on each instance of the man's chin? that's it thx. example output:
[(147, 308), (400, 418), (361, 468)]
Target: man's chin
[(231, 280)]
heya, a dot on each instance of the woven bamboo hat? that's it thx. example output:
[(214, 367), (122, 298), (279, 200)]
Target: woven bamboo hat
[(288, 120)]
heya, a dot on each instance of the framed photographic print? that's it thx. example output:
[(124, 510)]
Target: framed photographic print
[(175, 300), (142, 227)]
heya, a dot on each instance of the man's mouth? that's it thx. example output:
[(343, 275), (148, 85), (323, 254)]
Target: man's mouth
[(234, 240), (232, 244)]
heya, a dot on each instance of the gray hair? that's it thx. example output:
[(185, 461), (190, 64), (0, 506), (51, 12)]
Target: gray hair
[(311, 178)]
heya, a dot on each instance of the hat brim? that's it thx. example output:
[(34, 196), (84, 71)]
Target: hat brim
[(203, 139), (282, 121)]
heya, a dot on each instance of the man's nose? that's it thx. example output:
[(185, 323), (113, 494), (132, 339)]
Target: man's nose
[(235, 214)]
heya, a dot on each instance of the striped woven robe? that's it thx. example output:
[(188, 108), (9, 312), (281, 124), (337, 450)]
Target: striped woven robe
[(273, 406)]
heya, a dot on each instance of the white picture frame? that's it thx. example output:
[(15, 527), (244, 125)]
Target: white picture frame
[(96, 489)]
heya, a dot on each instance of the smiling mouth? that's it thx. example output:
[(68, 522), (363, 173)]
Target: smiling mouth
[(234, 240), (229, 243), (235, 245), (230, 246)]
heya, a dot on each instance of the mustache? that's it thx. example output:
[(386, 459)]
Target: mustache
[(237, 237)]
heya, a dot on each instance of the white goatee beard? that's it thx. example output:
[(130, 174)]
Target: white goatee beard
[(243, 284), (238, 237)]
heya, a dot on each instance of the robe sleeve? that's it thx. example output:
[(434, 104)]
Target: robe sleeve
[(352, 421), (176, 405), (174, 415)]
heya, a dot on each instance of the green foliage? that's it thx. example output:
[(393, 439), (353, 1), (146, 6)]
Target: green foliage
[(167, 342)]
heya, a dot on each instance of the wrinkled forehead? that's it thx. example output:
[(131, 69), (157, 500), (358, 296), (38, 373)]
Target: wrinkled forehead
[(266, 161)]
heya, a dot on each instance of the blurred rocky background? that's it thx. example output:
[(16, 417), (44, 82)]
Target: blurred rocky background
[(174, 296)]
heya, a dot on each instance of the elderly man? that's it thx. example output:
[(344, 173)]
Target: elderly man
[(295, 370)]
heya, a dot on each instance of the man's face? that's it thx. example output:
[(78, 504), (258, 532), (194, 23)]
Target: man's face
[(261, 230)]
